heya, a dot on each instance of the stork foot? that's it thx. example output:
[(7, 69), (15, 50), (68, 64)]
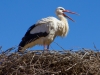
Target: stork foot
[(46, 51)]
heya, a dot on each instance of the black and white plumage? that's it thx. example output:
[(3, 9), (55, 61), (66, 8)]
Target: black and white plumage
[(45, 30)]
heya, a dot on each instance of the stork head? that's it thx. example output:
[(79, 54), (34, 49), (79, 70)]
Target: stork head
[(61, 10)]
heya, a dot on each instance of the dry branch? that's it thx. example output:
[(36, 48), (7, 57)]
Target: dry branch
[(83, 62)]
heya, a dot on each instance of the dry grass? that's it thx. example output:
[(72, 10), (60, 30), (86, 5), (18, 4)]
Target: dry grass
[(83, 62)]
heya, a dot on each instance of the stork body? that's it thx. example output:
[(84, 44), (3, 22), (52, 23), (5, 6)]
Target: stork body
[(45, 31)]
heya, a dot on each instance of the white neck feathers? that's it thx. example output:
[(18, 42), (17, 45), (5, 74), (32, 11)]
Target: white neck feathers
[(65, 28)]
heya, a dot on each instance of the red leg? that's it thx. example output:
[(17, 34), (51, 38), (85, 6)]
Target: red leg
[(45, 47)]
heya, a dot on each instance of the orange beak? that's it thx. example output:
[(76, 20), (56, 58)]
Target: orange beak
[(70, 13)]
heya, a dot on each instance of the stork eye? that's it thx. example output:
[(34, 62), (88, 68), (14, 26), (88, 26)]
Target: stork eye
[(61, 9)]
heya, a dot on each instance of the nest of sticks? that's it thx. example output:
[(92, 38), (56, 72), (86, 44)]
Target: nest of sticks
[(37, 62)]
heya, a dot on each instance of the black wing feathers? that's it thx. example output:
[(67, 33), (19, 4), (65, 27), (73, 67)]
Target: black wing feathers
[(31, 37), (30, 28)]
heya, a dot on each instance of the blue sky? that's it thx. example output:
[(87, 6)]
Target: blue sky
[(16, 16)]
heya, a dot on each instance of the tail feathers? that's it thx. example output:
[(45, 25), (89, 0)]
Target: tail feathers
[(21, 45), (19, 49), (25, 41)]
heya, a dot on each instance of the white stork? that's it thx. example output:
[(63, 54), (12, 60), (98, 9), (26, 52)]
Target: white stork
[(45, 30)]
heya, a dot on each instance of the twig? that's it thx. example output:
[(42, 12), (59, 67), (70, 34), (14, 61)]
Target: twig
[(59, 46), (8, 50), (32, 59), (1, 49), (77, 62), (95, 47)]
